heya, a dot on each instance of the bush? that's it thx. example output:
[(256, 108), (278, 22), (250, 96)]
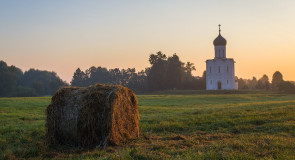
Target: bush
[(21, 91), (286, 86)]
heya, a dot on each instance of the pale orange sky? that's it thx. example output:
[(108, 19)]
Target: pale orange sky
[(62, 36)]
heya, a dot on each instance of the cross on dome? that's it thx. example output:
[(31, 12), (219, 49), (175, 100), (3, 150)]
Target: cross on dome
[(219, 40)]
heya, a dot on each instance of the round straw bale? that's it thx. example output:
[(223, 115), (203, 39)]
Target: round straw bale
[(95, 116)]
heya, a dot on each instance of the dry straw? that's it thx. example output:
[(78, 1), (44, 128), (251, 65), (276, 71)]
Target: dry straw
[(95, 116)]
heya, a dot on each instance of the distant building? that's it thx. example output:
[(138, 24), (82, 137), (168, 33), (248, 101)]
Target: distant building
[(220, 71)]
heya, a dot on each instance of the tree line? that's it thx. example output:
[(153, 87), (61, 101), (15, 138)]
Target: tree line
[(164, 73), (170, 73), (15, 83), (276, 84)]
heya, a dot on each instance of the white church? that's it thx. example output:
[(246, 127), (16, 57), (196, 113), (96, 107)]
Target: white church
[(220, 71)]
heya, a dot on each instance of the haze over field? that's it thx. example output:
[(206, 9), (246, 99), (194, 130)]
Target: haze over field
[(63, 35)]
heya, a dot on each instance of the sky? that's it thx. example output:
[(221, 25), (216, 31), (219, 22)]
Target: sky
[(61, 36)]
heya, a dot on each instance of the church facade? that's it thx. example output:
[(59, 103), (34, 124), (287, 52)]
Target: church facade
[(220, 71)]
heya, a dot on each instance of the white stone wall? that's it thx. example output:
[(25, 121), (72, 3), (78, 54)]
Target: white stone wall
[(220, 51), (220, 70)]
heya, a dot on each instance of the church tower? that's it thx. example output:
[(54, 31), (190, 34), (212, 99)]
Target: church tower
[(220, 71), (220, 46)]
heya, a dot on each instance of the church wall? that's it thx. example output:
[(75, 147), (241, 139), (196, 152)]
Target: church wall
[(220, 51), (220, 70)]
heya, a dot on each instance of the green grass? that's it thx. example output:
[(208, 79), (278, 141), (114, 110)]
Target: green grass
[(174, 126)]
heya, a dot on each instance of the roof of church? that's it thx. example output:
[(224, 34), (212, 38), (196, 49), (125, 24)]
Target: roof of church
[(221, 59), (219, 41)]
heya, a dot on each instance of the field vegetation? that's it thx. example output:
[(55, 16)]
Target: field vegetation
[(172, 126)]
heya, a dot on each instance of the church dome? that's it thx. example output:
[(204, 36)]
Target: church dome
[(219, 41)]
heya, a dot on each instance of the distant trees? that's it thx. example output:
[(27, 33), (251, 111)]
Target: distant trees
[(156, 76), (43, 82), (171, 73), (164, 73), (9, 77), (242, 84), (79, 78), (277, 78), (263, 83), (247, 83), (175, 72), (13, 82), (277, 83), (126, 77), (286, 86)]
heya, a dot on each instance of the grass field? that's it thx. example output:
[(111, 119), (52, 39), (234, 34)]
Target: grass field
[(174, 126)]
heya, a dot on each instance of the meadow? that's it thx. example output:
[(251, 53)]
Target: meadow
[(183, 125)]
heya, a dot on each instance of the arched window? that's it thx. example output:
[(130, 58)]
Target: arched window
[(218, 69), (227, 81), (210, 81)]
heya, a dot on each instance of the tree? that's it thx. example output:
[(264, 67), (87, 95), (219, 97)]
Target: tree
[(157, 58), (126, 77), (116, 76), (137, 81), (189, 67), (43, 82), (79, 78), (175, 72), (157, 73), (252, 83), (172, 73), (263, 83), (188, 80), (204, 76), (202, 81), (277, 78), (39, 86), (9, 78), (242, 84), (286, 86), (13, 82), (98, 75)]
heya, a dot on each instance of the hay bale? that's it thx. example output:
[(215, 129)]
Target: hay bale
[(95, 116)]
